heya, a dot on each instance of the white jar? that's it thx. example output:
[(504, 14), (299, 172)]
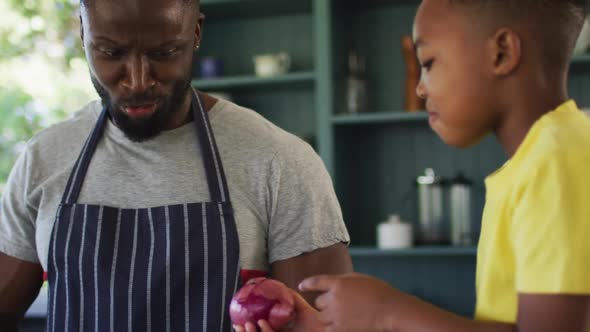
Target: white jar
[(394, 234)]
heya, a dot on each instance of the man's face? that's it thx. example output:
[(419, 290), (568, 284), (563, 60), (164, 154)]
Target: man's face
[(140, 55), (453, 80)]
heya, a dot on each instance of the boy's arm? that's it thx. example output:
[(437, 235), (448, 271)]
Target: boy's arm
[(553, 313), (361, 303), (537, 313), (413, 314)]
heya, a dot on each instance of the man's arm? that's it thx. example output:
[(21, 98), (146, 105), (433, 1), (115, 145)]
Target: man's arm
[(20, 282), (332, 260)]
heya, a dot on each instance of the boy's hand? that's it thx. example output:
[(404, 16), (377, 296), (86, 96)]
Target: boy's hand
[(306, 320), (353, 302)]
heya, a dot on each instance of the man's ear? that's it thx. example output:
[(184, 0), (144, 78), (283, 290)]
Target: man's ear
[(199, 30), (505, 51)]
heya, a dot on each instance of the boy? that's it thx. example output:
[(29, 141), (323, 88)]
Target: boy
[(496, 66)]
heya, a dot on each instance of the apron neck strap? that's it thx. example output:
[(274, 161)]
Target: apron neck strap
[(78, 174), (215, 174), (213, 167)]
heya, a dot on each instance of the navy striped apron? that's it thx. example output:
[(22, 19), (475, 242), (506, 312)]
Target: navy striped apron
[(168, 268)]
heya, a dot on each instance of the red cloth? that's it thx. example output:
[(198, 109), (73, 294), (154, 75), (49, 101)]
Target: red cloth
[(251, 274), (244, 274)]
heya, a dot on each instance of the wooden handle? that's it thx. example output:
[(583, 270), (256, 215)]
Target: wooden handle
[(412, 102)]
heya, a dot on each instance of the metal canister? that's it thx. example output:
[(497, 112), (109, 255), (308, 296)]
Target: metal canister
[(431, 228), (460, 210)]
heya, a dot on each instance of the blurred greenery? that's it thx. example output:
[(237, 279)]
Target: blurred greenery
[(43, 70), (34, 25), (17, 124)]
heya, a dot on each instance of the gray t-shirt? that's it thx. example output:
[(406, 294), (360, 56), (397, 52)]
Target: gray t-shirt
[(283, 198)]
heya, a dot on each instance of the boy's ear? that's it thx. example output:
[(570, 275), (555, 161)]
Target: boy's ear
[(506, 50)]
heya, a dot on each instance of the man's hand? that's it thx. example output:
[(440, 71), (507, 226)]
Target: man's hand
[(306, 319)]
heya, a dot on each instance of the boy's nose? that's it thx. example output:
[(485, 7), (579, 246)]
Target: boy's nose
[(420, 90)]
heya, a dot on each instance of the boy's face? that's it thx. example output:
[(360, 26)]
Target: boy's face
[(454, 81)]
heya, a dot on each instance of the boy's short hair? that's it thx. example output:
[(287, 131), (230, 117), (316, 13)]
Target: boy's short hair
[(556, 22), (565, 9)]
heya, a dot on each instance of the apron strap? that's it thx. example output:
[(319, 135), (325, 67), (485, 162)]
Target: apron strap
[(74, 184), (214, 172), (211, 158)]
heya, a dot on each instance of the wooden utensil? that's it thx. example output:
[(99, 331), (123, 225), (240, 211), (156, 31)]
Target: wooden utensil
[(412, 103)]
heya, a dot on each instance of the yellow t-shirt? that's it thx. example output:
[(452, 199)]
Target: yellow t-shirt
[(535, 236)]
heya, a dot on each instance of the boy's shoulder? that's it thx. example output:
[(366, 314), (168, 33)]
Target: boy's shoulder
[(563, 132), (558, 140), (558, 144)]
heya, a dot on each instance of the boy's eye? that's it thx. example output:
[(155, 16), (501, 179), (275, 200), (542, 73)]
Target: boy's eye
[(427, 64)]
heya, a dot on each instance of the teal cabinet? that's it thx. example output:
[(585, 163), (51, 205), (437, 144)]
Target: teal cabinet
[(375, 155), (237, 30), (444, 276)]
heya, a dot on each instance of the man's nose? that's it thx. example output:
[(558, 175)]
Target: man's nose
[(138, 76)]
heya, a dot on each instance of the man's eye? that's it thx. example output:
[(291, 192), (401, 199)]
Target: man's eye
[(112, 53), (164, 54)]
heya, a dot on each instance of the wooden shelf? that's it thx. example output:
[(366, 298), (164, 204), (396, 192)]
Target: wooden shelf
[(232, 9), (379, 117), (356, 252), (236, 82), (581, 59)]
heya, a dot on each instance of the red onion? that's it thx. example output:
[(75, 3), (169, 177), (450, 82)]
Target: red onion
[(263, 298)]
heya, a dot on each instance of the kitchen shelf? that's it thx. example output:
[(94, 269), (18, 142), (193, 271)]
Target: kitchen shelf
[(356, 252), (581, 59), (232, 9), (380, 117), (235, 82)]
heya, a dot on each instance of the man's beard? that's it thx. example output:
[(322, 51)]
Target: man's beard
[(139, 130)]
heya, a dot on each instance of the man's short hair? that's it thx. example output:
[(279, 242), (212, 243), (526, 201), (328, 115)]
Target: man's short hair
[(193, 3)]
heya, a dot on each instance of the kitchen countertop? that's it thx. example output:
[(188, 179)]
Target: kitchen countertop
[(39, 308)]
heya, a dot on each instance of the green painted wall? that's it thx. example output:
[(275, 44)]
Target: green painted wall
[(373, 160)]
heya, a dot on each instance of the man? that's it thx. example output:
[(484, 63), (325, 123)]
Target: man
[(148, 212)]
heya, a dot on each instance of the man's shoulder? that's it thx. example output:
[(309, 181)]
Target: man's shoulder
[(60, 143), (248, 129), (75, 128)]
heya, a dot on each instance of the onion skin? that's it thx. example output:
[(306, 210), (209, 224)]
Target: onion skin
[(263, 298)]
